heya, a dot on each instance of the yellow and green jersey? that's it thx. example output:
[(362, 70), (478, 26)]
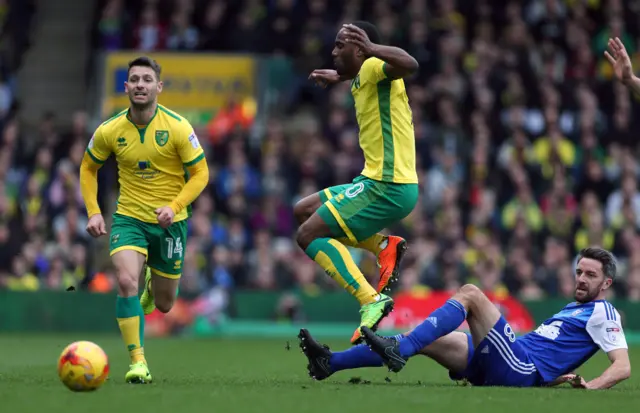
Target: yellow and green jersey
[(151, 160), (386, 127)]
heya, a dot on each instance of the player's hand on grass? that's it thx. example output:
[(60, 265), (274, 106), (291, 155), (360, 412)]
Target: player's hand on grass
[(165, 216), (579, 383), (619, 58), (324, 77), (359, 37), (96, 227), (575, 380)]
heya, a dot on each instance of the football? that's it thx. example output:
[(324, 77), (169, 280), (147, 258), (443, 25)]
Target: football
[(83, 366)]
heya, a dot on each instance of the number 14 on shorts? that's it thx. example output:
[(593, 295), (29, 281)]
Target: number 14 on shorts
[(174, 247)]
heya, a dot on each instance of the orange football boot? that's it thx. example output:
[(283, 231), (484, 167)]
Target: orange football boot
[(389, 262)]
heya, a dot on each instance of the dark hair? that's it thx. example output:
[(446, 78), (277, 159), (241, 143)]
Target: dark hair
[(145, 62), (604, 257), (370, 29)]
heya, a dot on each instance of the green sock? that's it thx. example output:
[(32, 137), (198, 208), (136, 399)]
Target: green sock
[(335, 260), (131, 322)]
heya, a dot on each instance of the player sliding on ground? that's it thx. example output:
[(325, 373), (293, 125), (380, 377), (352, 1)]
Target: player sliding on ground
[(387, 189), (152, 146), (492, 355)]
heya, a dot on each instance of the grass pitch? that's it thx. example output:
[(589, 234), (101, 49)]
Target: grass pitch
[(245, 375)]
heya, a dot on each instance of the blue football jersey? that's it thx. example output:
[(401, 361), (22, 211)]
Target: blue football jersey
[(569, 338)]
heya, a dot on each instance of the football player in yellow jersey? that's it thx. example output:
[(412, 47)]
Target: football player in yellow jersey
[(387, 189), (153, 147)]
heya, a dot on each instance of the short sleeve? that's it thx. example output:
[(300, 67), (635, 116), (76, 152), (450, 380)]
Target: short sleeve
[(605, 328), (373, 70), (189, 148), (99, 148)]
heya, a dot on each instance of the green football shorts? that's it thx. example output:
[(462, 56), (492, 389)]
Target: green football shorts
[(162, 247), (365, 207)]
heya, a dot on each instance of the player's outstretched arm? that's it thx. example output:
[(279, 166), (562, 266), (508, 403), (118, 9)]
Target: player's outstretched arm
[(621, 62), (326, 77), (619, 370), (399, 63)]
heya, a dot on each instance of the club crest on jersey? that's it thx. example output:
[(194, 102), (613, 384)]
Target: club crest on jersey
[(162, 137)]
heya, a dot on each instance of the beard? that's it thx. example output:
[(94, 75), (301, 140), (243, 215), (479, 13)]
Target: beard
[(589, 295), (141, 106)]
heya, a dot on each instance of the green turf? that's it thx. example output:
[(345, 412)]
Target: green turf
[(263, 376)]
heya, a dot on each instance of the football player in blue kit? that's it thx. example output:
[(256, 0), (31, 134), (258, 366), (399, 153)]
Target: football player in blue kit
[(492, 355)]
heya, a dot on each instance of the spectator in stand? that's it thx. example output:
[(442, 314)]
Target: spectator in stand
[(526, 148)]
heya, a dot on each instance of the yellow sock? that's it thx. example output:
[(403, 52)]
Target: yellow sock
[(373, 244), (131, 322), (335, 259)]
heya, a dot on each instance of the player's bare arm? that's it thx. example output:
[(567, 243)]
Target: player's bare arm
[(621, 62), (325, 77), (399, 64), (89, 188), (619, 370)]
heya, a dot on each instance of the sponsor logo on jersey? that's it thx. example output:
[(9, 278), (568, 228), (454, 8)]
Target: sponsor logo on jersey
[(551, 331), (122, 141), (578, 311), (145, 171)]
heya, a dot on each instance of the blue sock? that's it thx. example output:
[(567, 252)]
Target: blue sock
[(441, 322), (356, 357)]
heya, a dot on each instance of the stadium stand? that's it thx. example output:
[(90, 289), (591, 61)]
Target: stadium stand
[(527, 150)]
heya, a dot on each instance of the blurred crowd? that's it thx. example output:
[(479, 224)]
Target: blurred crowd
[(526, 147)]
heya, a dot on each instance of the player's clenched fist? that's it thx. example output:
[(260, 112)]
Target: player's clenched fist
[(324, 77), (165, 216), (96, 227)]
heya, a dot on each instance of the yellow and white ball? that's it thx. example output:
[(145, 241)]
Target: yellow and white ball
[(83, 366)]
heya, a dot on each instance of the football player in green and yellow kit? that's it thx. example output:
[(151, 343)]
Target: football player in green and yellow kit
[(387, 189), (152, 146)]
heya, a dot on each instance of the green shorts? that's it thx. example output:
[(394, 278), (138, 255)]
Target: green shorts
[(364, 207), (163, 248)]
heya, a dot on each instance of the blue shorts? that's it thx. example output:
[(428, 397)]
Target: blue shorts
[(499, 360)]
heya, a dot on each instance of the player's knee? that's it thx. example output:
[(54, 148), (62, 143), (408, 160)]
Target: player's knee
[(300, 212), (127, 282), (164, 302), (305, 235), (469, 295), (303, 209)]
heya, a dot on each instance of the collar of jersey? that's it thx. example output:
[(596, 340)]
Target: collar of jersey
[(575, 303), (142, 131)]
